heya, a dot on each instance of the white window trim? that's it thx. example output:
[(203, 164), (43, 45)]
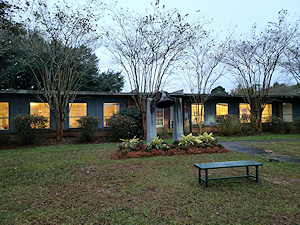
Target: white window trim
[(163, 118)]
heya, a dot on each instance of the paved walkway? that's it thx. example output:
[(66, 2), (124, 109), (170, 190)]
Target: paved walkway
[(235, 146)]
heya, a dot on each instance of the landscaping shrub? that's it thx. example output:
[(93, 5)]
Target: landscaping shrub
[(4, 139), (228, 125), (296, 126), (162, 132), (136, 116), (247, 125), (274, 124), (29, 127), (158, 143), (186, 141), (208, 138), (287, 127), (88, 126), (122, 127)]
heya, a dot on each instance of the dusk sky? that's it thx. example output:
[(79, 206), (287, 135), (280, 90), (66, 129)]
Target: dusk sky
[(236, 15)]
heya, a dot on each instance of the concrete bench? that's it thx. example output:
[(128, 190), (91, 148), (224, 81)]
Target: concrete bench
[(229, 164)]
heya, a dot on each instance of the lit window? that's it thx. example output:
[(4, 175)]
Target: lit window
[(221, 109), (108, 110), (4, 116), (159, 117), (245, 110), (41, 109), (267, 112), (77, 110), (287, 112), (197, 113)]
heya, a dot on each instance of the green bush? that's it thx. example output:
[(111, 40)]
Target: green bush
[(162, 132), (228, 125), (133, 144), (88, 126), (29, 127), (287, 127), (122, 127), (136, 116), (158, 143), (274, 124), (296, 126)]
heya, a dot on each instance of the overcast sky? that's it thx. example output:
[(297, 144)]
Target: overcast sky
[(237, 15)]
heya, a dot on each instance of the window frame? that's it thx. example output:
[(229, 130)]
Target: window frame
[(194, 116), (76, 117), (47, 117), (160, 117), (265, 116), (247, 106), (221, 103), (287, 114), (5, 117), (109, 116)]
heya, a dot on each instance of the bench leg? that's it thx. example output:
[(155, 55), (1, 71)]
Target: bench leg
[(256, 168), (247, 171), (206, 178), (200, 176)]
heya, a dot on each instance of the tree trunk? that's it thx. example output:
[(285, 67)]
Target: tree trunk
[(260, 121), (61, 132), (57, 128), (144, 126), (200, 127)]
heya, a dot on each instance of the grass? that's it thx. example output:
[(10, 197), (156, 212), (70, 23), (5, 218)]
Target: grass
[(261, 137), (80, 184), (290, 148)]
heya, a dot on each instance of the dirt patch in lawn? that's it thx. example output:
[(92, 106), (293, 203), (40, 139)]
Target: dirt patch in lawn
[(121, 154)]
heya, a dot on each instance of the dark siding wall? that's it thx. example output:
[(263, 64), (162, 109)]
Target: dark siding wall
[(210, 107), (95, 105), (20, 104)]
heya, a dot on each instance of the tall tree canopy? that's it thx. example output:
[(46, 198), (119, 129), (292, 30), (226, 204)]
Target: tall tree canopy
[(57, 43), (147, 47), (254, 59)]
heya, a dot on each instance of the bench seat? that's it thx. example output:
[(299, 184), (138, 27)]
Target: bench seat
[(228, 164)]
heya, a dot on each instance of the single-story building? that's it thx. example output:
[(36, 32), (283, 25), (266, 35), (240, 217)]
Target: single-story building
[(104, 105)]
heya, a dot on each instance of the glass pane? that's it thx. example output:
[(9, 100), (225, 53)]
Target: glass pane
[(287, 112), (41, 109), (196, 113), (4, 109), (244, 109), (287, 108), (4, 124), (73, 122), (222, 109), (159, 117), (108, 110), (77, 109), (267, 112)]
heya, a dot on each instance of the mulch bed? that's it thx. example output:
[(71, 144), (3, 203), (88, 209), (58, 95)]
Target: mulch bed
[(176, 151)]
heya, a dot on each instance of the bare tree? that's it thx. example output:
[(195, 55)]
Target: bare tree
[(147, 47), (56, 43), (291, 62), (254, 59), (202, 69)]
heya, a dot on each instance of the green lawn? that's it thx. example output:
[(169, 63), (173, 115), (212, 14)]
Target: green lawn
[(262, 137), (80, 184), (290, 148)]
